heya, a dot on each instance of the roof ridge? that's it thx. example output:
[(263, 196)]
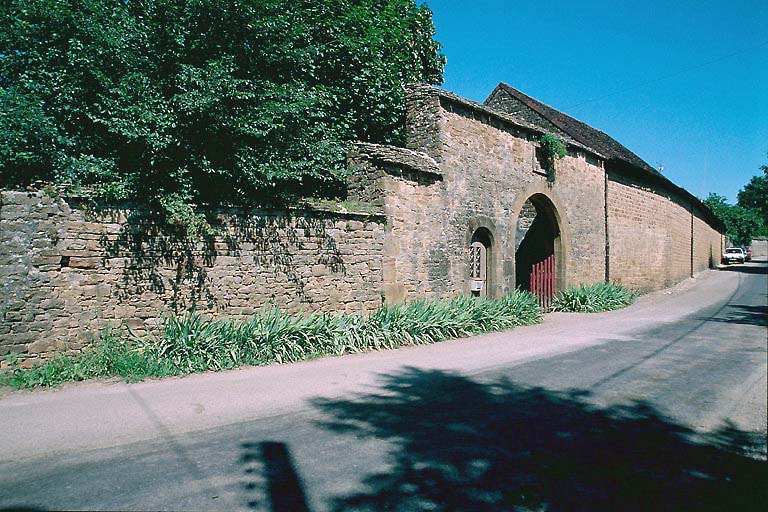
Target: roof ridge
[(536, 105), (508, 118), (580, 131), (597, 141)]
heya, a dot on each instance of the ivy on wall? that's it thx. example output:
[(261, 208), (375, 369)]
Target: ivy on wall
[(553, 149)]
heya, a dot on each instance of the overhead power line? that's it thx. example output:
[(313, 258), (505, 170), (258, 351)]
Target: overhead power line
[(667, 77)]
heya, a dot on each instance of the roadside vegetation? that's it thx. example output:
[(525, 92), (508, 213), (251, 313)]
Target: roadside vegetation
[(593, 298), (748, 218), (190, 343)]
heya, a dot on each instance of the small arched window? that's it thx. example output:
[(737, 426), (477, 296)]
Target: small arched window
[(478, 262)]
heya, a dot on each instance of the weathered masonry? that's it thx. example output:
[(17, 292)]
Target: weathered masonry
[(465, 208), (473, 187), (68, 272)]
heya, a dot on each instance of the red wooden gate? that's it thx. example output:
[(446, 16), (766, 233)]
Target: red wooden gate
[(543, 281)]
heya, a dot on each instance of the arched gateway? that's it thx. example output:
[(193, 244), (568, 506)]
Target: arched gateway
[(539, 261)]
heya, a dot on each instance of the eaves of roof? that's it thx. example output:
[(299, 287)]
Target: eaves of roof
[(507, 119), (599, 142)]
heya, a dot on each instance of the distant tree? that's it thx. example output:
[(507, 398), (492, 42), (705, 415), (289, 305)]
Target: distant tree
[(204, 101), (741, 224), (754, 197)]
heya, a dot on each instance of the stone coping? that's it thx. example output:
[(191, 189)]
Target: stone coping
[(413, 160), (338, 209)]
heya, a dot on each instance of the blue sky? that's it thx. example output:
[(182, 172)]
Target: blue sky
[(681, 83)]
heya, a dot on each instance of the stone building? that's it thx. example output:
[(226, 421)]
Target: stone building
[(466, 207), (605, 214)]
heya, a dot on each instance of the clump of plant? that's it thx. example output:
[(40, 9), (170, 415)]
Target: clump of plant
[(552, 149), (593, 298), (430, 321), (191, 343), (111, 356)]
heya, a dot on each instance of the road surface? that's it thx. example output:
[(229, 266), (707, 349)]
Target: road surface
[(660, 406)]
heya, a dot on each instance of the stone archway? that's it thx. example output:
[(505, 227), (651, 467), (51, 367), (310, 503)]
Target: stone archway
[(539, 248)]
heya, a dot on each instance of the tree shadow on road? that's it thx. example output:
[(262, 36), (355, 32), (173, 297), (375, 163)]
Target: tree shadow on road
[(747, 269), (466, 445), (743, 314)]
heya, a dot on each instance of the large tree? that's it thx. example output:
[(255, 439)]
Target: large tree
[(206, 101), (741, 224), (754, 197)]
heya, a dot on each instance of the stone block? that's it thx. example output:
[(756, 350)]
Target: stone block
[(43, 325), (124, 311), (64, 323), (85, 262), (85, 227), (14, 316), (320, 270), (41, 345), (135, 323)]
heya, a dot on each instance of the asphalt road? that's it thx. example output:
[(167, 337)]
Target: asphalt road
[(660, 406)]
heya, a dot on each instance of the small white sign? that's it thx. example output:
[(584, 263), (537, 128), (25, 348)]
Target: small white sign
[(475, 285)]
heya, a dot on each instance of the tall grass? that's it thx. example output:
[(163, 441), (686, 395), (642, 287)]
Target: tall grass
[(111, 356), (190, 343), (593, 298)]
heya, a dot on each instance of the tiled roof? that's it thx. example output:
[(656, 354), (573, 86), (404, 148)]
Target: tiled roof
[(599, 142), (503, 116), (582, 132)]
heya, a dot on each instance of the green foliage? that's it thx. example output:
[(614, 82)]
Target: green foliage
[(741, 224), (749, 217), (553, 149), (593, 298), (430, 321), (553, 146), (190, 343), (111, 356), (754, 197), (203, 101), (192, 224)]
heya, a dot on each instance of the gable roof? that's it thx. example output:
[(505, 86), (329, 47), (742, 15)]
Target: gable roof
[(594, 140), (582, 132)]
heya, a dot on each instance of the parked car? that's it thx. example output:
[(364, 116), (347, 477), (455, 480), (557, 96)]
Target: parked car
[(747, 254), (734, 255)]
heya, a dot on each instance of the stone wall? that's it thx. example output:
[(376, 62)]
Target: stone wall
[(67, 272), (409, 186), (759, 248), (488, 175), (488, 170), (707, 245), (656, 237)]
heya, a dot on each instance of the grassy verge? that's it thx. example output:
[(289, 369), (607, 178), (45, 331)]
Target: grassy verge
[(190, 343), (593, 298)]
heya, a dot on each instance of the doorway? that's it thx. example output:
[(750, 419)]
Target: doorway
[(538, 258)]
